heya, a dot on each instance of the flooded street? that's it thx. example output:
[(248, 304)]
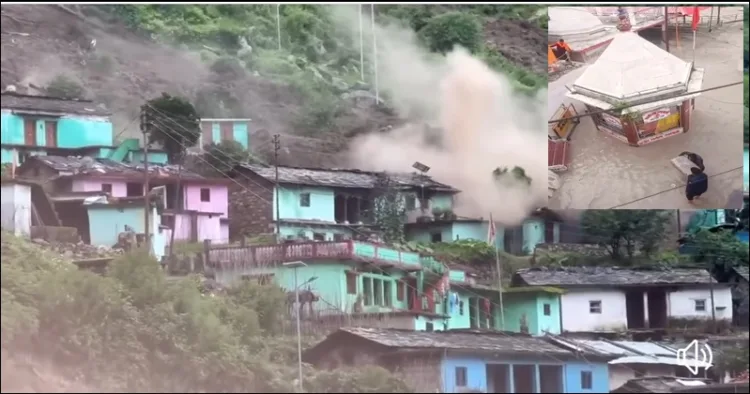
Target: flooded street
[(607, 173)]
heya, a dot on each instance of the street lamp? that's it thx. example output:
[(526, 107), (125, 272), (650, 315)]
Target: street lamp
[(295, 265)]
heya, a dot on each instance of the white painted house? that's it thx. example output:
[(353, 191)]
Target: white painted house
[(16, 207), (614, 299)]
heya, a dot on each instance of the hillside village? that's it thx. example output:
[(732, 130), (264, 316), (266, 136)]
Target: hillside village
[(508, 324)]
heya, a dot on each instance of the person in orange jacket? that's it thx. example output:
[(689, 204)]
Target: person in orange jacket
[(561, 48)]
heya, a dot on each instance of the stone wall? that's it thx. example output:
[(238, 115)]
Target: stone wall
[(250, 206), (55, 234)]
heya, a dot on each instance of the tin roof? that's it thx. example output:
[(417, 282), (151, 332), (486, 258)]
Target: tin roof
[(88, 166), (609, 276), (54, 105), (461, 340), (343, 178), (633, 67), (659, 384)]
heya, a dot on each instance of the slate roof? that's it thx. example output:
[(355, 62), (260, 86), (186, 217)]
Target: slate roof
[(22, 102), (78, 166), (343, 178), (464, 340), (744, 272), (608, 276)]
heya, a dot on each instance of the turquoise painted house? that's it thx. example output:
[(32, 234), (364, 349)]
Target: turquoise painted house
[(542, 226), (324, 204), (108, 219), (348, 278), (34, 125), (41, 126), (467, 361), (214, 130), (529, 310)]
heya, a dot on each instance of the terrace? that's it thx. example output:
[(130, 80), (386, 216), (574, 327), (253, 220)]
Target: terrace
[(260, 256)]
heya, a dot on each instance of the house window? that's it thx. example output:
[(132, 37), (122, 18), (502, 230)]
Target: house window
[(367, 290), (133, 189), (107, 188), (351, 283), (400, 290), (461, 308), (304, 199), (436, 237), (319, 237), (410, 203), (547, 309), (700, 305), (429, 327), (461, 377), (338, 237), (587, 380), (377, 286), (387, 293), (595, 307), (205, 194)]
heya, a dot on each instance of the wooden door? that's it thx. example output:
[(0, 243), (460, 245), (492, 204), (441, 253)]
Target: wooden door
[(227, 131), (50, 130), (549, 232), (29, 132), (206, 131)]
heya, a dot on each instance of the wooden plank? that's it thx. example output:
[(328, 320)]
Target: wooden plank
[(683, 164)]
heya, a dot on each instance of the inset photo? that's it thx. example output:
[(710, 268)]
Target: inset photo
[(646, 107)]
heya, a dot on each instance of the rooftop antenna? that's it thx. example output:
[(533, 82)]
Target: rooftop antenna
[(423, 168)]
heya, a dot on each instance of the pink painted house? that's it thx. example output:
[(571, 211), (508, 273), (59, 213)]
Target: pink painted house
[(195, 212)]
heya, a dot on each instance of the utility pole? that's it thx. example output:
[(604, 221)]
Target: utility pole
[(666, 28), (278, 24), (145, 124), (374, 53), (713, 305), (361, 46), (276, 148)]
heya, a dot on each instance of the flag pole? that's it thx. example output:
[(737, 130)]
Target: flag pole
[(499, 285), (493, 232)]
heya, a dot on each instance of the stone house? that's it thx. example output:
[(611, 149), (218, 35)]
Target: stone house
[(322, 204)]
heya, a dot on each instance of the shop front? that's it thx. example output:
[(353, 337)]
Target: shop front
[(632, 98)]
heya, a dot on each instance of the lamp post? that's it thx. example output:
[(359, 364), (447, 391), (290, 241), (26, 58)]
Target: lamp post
[(295, 265)]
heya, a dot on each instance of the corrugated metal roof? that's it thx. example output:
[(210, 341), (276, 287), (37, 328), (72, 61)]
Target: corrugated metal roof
[(53, 105), (609, 276), (343, 178), (647, 348)]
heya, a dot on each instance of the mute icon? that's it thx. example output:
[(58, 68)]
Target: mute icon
[(694, 356)]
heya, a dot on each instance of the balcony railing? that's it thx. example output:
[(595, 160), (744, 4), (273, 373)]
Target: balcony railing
[(259, 256)]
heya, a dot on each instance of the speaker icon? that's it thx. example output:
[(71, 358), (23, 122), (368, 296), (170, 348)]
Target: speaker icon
[(694, 356)]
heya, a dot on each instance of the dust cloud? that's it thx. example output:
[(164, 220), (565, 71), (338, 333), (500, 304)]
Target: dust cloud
[(480, 121)]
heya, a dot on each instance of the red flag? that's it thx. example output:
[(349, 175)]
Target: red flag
[(491, 232), (696, 17)]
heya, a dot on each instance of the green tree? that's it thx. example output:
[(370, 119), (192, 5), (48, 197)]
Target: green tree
[(65, 87), (174, 123), (443, 32), (624, 232), (222, 157), (389, 210), (719, 251)]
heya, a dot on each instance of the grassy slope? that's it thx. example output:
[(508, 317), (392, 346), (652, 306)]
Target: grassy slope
[(134, 330)]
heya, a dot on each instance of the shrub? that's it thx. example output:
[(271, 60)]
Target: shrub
[(65, 87), (443, 32)]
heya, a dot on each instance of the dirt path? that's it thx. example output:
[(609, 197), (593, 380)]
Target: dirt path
[(605, 173)]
